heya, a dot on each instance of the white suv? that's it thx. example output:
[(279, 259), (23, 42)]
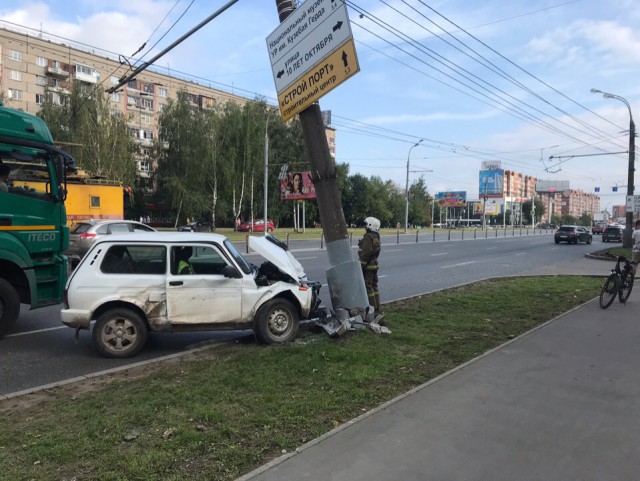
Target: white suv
[(130, 284)]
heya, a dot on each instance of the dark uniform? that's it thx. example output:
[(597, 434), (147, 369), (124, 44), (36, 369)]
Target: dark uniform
[(368, 252)]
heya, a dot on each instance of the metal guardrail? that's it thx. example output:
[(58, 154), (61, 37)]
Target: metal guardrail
[(451, 235)]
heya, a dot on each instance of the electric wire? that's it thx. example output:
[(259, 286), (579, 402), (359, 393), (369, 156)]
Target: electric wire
[(509, 107), (516, 65), (494, 68), (165, 34), (395, 32)]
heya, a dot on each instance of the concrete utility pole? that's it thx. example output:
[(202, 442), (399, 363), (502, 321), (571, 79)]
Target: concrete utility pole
[(344, 277), (626, 237)]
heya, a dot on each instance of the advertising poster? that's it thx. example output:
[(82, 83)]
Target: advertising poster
[(297, 186), (452, 199), (491, 182), (492, 207)]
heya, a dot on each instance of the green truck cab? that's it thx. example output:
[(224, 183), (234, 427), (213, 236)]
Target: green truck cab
[(33, 231)]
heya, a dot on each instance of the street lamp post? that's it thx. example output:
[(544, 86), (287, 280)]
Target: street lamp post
[(626, 239), (406, 191)]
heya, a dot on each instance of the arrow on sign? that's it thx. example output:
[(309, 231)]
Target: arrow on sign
[(280, 73), (345, 58), (337, 26)]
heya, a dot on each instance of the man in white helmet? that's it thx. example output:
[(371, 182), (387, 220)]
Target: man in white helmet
[(368, 252)]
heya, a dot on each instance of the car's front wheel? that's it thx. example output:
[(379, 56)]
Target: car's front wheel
[(589, 240), (276, 322), (119, 333)]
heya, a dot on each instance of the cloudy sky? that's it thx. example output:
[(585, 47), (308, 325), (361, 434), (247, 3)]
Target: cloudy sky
[(491, 80)]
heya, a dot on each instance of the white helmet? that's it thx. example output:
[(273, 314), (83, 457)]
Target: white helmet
[(372, 223)]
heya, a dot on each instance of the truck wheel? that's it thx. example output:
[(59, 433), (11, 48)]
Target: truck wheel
[(119, 333), (9, 307), (276, 322)]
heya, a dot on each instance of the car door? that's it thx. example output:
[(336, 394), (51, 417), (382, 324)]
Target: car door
[(204, 296)]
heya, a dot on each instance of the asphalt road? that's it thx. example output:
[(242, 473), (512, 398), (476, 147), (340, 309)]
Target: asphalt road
[(41, 350)]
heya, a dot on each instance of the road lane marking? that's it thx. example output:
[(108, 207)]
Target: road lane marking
[(458, 264), (491, 248), (521, 254), (305, 258), (394, 250), (439, 254), (37, 331)]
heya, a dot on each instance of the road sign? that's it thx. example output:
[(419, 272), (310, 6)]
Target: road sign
[(633, 203), (321, 79), (312, 32)]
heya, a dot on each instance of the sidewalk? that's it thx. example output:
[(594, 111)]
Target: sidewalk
[(560, 403)]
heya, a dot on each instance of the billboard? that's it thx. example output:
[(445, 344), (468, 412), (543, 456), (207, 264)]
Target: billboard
[(551, 186), (452, 199), (297, 186), (491, 165), (491, 182)]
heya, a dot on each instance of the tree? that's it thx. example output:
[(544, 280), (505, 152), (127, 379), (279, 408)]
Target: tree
[(98, 139), (419, 203), (182, 146)]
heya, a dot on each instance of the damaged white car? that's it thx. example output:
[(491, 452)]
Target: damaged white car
[(133, 284)]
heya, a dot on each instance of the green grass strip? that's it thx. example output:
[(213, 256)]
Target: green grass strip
[(218, 415)]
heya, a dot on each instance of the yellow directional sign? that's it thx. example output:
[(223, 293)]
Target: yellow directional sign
[(321, 79)]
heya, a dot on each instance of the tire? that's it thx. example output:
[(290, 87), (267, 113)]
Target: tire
[(589, 240), (9, 307), (276, 322), (120, 333), (625, 290), (557, 242), (609, 291)]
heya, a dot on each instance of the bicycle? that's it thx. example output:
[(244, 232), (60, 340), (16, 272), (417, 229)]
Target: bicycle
[(618, 284)]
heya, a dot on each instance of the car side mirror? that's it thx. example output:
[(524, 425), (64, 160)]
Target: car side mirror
[(231, 272)]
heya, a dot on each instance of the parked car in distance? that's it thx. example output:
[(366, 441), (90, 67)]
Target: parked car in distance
[(598, 228), (613, 233), (257, 226), (133, 284), (84, 233), (572, 234), (546, 226), (198, 226)]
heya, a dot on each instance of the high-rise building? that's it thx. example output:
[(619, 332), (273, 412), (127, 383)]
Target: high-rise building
[(34, 68)]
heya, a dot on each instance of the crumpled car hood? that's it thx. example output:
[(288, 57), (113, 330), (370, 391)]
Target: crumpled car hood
[(279, 257)]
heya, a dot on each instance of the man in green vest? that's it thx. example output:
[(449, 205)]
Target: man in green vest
[(184, 266)]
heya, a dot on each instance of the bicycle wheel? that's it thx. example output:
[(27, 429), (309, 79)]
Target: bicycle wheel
[(625, 289), (609, 291)]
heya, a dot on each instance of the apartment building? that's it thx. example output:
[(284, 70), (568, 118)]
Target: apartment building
[(510, 189), (34, 68)]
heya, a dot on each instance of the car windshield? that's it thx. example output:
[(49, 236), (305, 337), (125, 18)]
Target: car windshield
[(239, 258)]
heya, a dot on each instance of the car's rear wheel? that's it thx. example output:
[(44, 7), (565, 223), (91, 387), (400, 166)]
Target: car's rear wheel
[(276, 322), (9, 306), (557, 241), (119, 333), (609, 290)]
